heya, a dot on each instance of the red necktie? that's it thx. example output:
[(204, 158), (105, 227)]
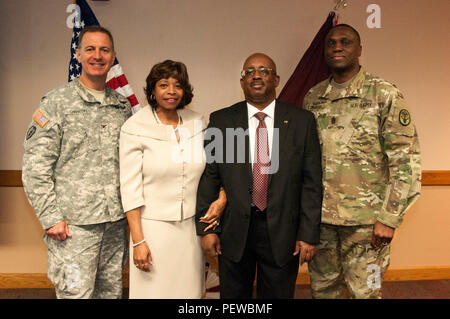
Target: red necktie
[(261, 164)]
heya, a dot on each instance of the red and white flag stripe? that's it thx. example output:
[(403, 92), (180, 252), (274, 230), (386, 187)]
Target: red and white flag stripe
[(117, 81)]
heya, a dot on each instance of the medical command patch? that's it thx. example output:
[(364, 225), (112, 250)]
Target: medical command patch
[(40, 118), (404, 118)]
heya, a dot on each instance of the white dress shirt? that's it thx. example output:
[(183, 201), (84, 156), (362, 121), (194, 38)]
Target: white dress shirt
[(253, 123)]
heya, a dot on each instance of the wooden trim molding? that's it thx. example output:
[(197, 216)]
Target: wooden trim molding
[(39, 280), (25, 281), (400, 274), (34, 280), (13, 178), (10, 178), (435, 178)]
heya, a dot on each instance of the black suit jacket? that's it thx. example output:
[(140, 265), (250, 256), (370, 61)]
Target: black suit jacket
[(295, 189)]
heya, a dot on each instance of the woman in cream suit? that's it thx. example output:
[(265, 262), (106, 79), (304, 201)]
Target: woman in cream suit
[(161, 162)]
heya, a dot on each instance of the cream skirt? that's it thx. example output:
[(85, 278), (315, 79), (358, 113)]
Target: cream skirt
[(178, 269)]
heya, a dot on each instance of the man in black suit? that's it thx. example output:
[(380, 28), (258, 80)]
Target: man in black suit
[(274, 201)]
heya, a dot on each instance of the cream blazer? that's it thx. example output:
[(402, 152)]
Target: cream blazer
[(157, 173)]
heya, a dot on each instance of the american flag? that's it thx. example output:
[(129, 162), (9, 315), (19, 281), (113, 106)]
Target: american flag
[(116, 79)]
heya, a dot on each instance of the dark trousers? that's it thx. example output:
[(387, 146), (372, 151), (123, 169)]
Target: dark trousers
[(236, 278)]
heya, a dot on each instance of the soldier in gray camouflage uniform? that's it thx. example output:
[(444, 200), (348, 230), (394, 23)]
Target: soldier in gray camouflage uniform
[(371, 171), (71, 176)]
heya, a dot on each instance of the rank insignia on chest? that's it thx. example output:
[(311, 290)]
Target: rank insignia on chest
[(404, 118), (317, 104), (40, 118)]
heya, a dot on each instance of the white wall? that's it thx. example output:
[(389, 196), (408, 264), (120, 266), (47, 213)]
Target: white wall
[(213, 38)]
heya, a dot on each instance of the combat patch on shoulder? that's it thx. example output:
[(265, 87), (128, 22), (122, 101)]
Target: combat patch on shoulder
[(31, 132), (404, 118), (40, 118)]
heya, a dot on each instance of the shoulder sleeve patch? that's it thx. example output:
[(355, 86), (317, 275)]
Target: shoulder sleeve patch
[(31, 132), (404, 118), (40, 118)]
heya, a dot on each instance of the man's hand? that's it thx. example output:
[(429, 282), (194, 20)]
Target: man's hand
[(59, 232), (306, 251), (212, 216), (382, 235), (211, 245)]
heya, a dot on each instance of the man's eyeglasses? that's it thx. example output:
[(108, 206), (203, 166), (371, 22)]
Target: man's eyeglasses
[(251, 71)]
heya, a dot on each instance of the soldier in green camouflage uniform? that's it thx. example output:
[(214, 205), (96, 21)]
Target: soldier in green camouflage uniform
[(71, 176), (371, 171)]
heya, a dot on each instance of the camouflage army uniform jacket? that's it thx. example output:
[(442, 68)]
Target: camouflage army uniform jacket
[(71, 160), (370, 151)]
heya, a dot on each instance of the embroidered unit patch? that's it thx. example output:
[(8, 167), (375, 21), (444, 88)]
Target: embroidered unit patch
[(404, 118)]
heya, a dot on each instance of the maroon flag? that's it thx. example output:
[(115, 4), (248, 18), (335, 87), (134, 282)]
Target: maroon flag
[(310, 70)]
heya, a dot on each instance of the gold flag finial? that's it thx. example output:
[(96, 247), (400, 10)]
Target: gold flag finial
[(340, 3)]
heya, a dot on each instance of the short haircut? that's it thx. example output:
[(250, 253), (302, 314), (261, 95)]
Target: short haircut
[(94, 28), (347, 26), (164, 70)]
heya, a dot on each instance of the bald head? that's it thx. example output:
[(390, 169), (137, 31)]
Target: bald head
[(259, 80), (342, 52), (349, 27), (270, 62)]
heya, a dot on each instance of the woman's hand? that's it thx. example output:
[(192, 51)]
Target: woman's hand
[(215, 210), (142, 257)]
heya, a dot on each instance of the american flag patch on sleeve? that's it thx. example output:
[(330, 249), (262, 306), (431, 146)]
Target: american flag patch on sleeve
[(40, 118)]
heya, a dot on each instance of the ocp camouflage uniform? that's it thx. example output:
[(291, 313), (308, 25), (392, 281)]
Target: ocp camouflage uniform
[(71, 173), (371, 172)]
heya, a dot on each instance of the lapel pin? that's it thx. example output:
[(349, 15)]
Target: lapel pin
[(285, 122)]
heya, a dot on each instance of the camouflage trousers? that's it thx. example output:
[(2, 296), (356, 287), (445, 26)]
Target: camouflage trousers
[(346, 263), (90, 263)]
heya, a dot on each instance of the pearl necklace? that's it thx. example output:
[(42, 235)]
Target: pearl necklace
[(159, 121)]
